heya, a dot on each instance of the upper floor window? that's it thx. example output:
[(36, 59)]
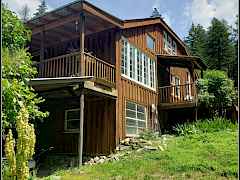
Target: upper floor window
[(150, 42), (137, 66), (169, 44)]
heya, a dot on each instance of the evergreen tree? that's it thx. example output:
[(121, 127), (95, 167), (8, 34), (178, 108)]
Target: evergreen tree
[(155, 13), (25, 13), (42, 8), (196, 41), (219, 47)]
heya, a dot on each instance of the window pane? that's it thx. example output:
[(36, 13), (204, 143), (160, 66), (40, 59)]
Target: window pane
[(141, 116), (131, 106), (140, 108), (131, 130), (145, 68), (139, 66), (141, 124), (73, 124), (131, 122), (132, 62), (150, 42), (73, 114), (131, 114), (124, 57)]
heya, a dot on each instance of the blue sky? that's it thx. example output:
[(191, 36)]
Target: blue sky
[(179, 14)]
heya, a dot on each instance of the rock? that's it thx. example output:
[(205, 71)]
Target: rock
[(91, 160), (139, 150), (150, 148), (96, 159), (101, 161), (161, 148)]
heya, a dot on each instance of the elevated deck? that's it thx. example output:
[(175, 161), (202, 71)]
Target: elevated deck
[(178, 96)]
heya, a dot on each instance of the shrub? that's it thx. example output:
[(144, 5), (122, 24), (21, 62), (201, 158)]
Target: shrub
[(148, 135), (203, 126)]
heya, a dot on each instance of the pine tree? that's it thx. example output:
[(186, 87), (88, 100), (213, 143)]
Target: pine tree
[(42, 8), (219, 47), (196, 41), (155, 13), (25, 13)]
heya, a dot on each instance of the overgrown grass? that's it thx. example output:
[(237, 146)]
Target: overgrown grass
[(205, 125), (211, 153)]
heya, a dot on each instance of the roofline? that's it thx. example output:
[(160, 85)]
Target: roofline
[(194, 58), (160, 21), (118, 20)]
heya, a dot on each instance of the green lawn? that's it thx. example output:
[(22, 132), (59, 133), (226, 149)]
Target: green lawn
[(211, 155)]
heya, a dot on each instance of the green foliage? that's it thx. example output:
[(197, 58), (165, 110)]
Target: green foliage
[(196, 41), (148, 135), (18, 161), (205, 126), (216, 91), (219, 48), (17, 71), (14, 34), (42, 8)]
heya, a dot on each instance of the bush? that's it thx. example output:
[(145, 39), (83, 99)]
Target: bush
[(148, 135), (203, 126)]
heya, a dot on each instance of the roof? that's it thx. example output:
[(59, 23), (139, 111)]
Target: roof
[(73, 8), (181, 59), (131, 23)]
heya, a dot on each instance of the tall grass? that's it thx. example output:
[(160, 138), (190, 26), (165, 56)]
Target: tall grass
[(205, 125)]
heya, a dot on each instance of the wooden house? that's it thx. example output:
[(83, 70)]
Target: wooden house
[(105, 79)]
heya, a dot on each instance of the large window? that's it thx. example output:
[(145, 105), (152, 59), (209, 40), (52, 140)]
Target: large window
[(150, 42), (135, 118), (169, 45), (137, 66), (72, 120), (124, 57), (132, 62)]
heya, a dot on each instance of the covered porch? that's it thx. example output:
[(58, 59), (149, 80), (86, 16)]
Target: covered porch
[(75, 40), (82, 117)]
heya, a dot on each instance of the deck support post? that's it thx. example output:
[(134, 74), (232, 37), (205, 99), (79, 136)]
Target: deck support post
[(81, 38), (80, 143)]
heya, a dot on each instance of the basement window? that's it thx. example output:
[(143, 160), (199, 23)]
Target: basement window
[(135, 118), (72, 120)]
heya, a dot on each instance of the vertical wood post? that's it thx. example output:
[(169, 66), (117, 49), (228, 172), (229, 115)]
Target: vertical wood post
[(81, 47), (80, 143), (42, 53)]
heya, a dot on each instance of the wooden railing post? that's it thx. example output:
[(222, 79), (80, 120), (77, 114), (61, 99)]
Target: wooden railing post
[(81, 37), (41, 68)]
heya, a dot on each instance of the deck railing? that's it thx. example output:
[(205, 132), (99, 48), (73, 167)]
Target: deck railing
[(69, 65), (177, 93)]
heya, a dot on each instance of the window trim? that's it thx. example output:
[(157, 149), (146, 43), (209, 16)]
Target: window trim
[(154, 42), (66, 121), (146, 117)]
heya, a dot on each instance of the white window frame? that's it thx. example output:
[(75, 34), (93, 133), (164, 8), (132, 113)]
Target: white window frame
[(165, 42), (124, 62), (174, 48), (139, 78), (135, 119), (66, 121)]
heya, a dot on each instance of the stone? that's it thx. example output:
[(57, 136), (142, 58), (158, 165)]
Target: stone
[(101, 161), (96, 159), (151, 148), (139, 150)]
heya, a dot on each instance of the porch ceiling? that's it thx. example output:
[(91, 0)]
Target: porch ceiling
[(68, 86), (63, 23), (182, 61)]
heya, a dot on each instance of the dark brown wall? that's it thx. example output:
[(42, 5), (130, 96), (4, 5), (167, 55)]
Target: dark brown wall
[(99, 126)]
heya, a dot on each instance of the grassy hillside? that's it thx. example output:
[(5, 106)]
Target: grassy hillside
[(198, 153)]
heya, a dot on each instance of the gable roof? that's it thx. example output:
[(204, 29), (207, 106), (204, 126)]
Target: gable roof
[(132, 23)]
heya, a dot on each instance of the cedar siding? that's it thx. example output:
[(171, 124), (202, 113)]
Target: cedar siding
[(91, 53)]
